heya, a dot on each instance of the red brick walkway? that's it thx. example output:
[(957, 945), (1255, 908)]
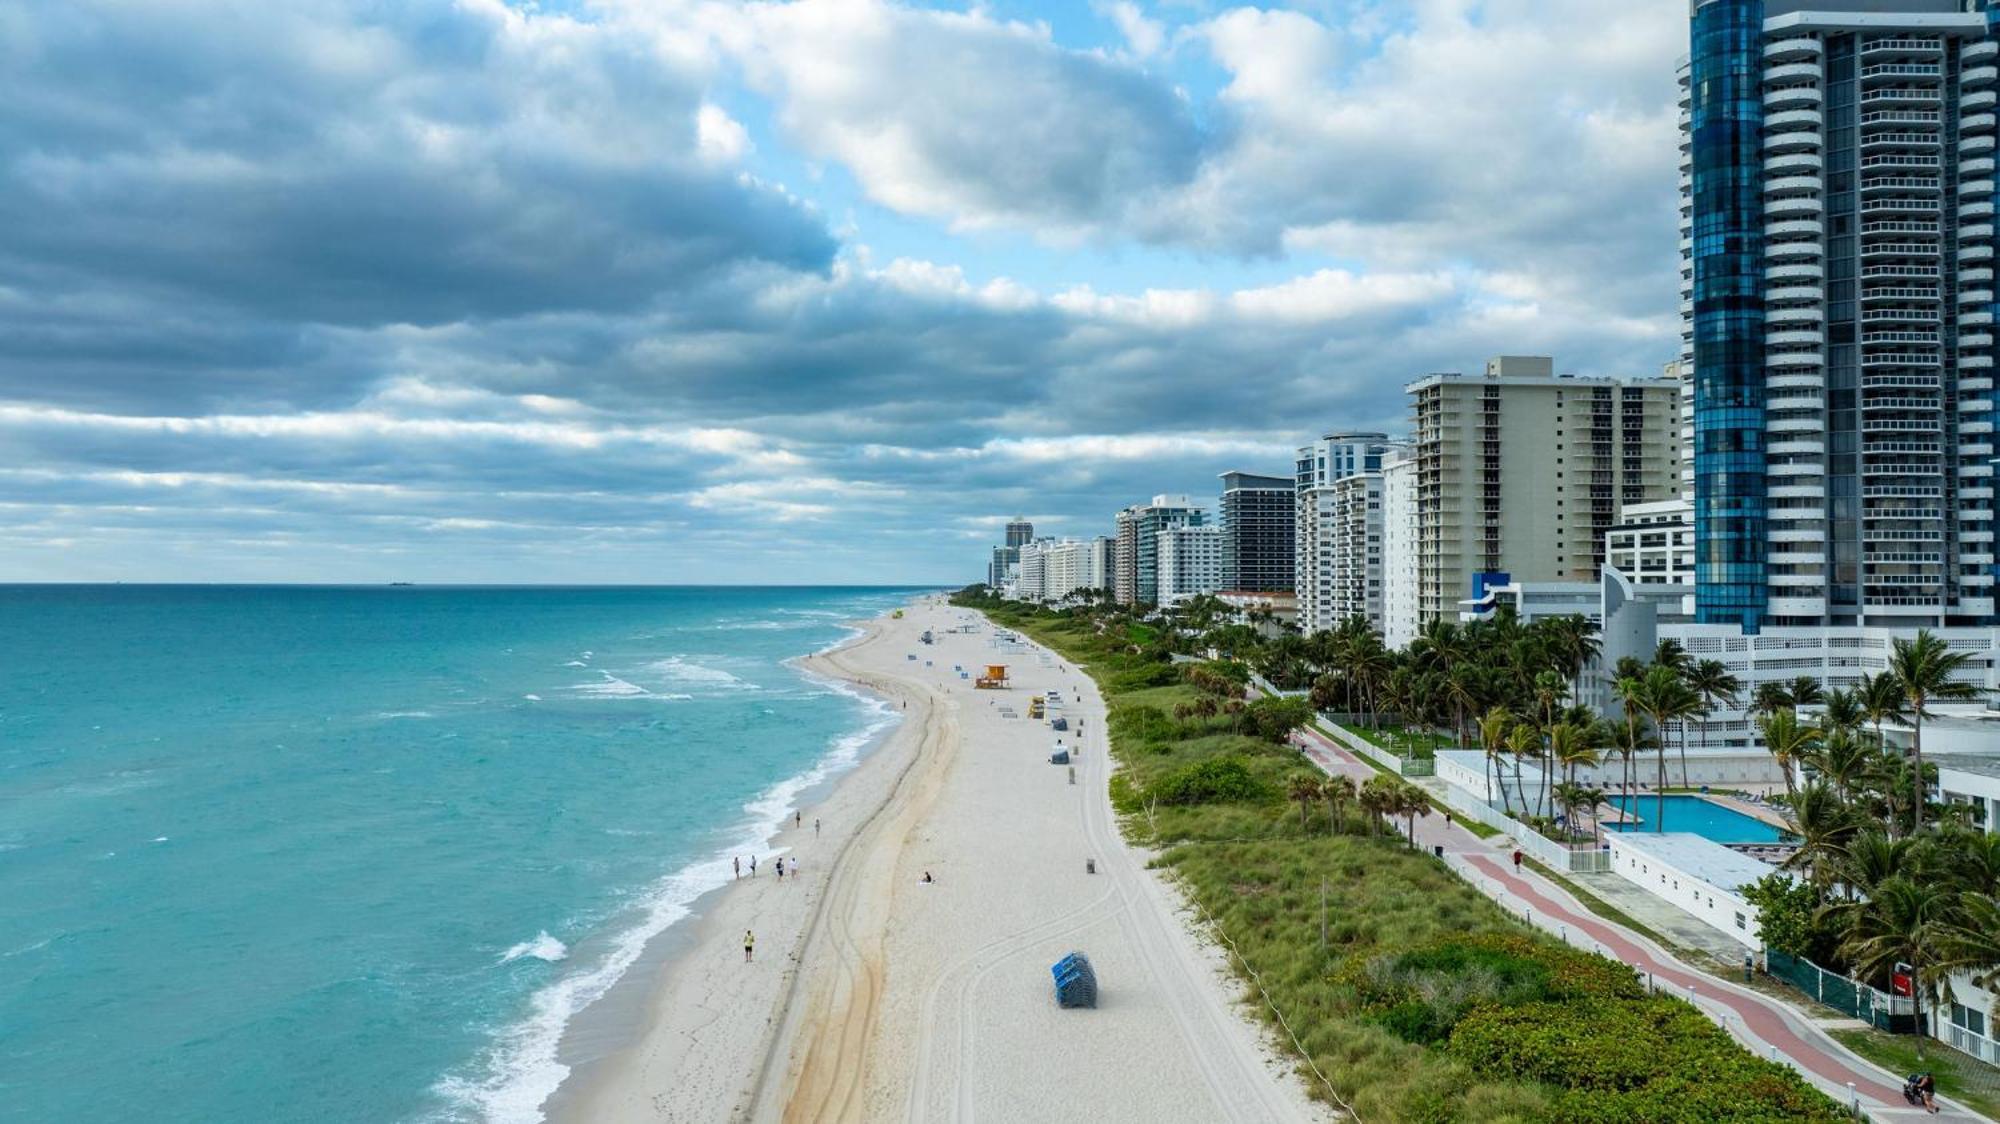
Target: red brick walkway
[(1766, 1020)]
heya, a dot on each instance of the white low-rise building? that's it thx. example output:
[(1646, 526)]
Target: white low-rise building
[(1969, 779), (1698, 876), (1653, 543)]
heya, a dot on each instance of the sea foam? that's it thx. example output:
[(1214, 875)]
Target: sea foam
[(543, 947), (523, 1068)]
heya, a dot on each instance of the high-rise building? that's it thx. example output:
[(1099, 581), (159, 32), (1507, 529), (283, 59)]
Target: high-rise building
[(1136, 550), (1837, 202), (1401, 599), (1257, 525), (1192, 561), (1337, 456), (1020, 532), (1522, 472), (1031, 576), (1340, 529)]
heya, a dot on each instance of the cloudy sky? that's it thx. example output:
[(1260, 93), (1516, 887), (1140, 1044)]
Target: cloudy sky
[(665, 291)]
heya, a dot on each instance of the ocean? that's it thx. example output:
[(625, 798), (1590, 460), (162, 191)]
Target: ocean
[(359, 854)]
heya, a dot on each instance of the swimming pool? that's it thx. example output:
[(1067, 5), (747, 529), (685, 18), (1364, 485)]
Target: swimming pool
[(1693, 814)]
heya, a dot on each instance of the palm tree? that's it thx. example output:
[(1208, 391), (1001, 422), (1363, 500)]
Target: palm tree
[(1711, 680), (1568, 796), (1771, 698), (1493, 727), (1789, 741), (1524, 741), (1805, 691), (1379, 798), (1304, 788), (1337, 790), (1971, 938), (1669, 653), (1905, 921), (1824, 824), (1573, 641), (1924, 670), (1881, 701), (1592, 797), (1842, 711), (1656, 698), (1630, 741), (1571, 746), (1411, 802), (1845, 759)]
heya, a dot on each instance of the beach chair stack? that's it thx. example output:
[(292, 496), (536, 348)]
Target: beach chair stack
[(1076, 981)]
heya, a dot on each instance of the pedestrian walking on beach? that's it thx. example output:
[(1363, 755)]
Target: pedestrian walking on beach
[(815, 827), (781, 869), (749, 945), (796, 820), (753, 866), (737, 862)]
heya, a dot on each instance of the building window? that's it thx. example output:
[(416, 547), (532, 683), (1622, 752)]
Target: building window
[(1740, 923)]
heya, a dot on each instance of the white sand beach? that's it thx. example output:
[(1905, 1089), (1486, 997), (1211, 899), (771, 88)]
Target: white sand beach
[(877, 996)]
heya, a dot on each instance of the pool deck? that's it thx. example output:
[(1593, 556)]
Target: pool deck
[(1760, 812)]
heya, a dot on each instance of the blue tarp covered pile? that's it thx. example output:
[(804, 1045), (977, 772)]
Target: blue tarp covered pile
[(1076, 982)]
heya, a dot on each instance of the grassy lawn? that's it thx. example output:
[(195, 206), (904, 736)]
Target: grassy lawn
[(1415, 996), (1420, 744), (1966, 1080)]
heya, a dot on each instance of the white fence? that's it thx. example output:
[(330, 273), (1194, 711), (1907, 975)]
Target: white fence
[(1978, 1045)]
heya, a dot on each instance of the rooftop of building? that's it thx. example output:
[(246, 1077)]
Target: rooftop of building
[(1972, 763), (1256, 482), (1696, 857)]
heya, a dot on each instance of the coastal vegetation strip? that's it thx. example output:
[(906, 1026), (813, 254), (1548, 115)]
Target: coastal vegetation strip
[(1418, 998)]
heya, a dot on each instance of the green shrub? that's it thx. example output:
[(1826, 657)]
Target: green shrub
[(1213, 781)]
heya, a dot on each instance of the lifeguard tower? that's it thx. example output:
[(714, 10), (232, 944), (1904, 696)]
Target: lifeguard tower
[(995, 678)]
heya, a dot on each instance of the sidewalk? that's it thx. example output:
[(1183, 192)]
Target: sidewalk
[(1765, 1026)]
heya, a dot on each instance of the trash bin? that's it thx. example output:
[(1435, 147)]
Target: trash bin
[(1437, 850), (1090, 866)]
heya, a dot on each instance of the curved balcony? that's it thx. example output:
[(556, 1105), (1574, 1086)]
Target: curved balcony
[(1973, 363), (1792, 97), (1791, 72), (1795, 228), (1793, 206), (1796, 380), (1973, 145), (1977, 100), (1800, 447), (1792, 338), (1968, 212), (1986, 50), (1978, 76), (1977, 166), (1975, 232), (1792, 119), (1982, 186), (1973, 278), (1970, 254), (1791, 251), (1783, 294), (1798, 140), (1798, 492), (1784, 185), (1794, 359), (1794, 164), (1796, 271), (1787, 317), (1791, 50)]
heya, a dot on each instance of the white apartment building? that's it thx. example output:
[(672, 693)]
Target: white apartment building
[(1653, 543), (1053, 569), (1401, 601), (1191, 562), (1339, 535)]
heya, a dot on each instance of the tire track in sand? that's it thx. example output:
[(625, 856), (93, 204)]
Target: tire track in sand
[(829, 1033)]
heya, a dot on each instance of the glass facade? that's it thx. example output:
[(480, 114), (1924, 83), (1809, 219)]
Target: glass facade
[(1727, 120)]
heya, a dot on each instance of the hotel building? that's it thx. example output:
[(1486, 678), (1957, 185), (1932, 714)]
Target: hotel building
[(1136, 549), (1257, 522), (1193, 560), (1522, 472)]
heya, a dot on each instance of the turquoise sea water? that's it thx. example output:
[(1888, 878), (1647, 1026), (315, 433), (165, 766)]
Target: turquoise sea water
[(1691, 813), (359, 853)]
